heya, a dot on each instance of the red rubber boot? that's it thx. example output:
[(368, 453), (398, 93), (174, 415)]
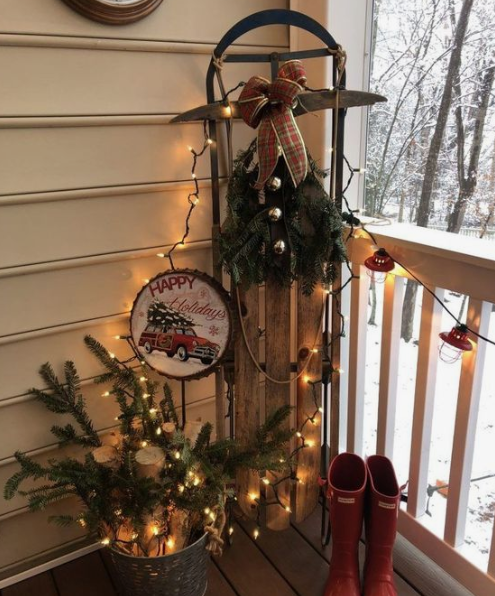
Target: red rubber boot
[(382, 508), (346, 491)]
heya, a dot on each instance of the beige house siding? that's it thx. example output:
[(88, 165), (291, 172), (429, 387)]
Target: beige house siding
[(92, 180)]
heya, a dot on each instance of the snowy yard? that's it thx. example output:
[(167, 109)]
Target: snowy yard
[(482, 493)]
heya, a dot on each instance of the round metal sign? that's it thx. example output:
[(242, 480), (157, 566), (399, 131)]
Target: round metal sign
[(181, 323)]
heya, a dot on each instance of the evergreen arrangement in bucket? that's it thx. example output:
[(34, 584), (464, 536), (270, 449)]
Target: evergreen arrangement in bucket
[(153, 492)]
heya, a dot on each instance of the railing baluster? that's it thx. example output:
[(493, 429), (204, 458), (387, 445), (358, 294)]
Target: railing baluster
[(389, 364), (468, 400), (423, 403), (357, 358)]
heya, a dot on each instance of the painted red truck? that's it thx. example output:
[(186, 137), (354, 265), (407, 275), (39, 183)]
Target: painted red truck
[(180, 341)]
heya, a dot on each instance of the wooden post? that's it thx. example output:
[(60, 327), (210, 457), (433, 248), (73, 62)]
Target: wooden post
[(309, 330), (247, 406)]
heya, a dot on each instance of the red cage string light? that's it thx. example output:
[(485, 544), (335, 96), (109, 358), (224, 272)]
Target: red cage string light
[(455, 343), (379, 265)]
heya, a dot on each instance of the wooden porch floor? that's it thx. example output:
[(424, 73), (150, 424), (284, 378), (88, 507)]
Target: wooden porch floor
[(288, 563)]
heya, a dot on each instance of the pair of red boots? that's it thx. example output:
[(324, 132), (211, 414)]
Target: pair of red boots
[(360, 490)]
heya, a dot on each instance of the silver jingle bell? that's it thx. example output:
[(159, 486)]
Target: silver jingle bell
[(279, 247), (275, 214), (274, 183)]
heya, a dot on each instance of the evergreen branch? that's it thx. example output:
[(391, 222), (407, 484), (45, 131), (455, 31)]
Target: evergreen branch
[(62, 520), (66, 399), (203, 439), (29, 469), (168, 406)]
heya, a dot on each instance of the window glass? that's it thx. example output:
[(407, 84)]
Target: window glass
[(431, 147)]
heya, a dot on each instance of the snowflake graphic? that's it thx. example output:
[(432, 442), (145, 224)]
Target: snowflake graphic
[(214, 330)]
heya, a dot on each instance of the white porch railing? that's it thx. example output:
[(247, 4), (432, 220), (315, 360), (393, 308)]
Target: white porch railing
[(444, 262)]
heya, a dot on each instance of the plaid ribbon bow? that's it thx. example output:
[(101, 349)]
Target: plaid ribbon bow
[(269, 105)]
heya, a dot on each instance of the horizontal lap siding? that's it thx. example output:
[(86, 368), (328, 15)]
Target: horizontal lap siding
[(54, 82), (92, 181), (69, 157), (184, 21)]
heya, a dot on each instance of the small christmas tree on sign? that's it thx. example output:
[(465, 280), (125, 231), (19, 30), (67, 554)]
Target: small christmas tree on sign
[(165, 316), (154, 488)]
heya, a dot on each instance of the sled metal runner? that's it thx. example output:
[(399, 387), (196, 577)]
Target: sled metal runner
[(245, 404)]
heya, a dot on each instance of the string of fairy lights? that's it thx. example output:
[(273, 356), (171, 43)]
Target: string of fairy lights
[(353, 222)]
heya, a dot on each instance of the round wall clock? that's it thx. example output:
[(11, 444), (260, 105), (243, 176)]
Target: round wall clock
[(181, 323), (114, 12)]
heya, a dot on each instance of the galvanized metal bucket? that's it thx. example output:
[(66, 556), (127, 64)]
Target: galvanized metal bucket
[(183, 573)]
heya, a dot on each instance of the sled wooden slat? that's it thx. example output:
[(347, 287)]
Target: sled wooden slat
[(247, 405), (468, 402), (431, 314), (310, 101), (389, 364), (357, 358), (309, 329), (277, 346)]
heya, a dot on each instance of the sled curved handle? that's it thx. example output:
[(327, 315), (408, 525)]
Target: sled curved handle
[(263, 19)]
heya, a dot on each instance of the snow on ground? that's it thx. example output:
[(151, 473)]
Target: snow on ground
[(481, 506)]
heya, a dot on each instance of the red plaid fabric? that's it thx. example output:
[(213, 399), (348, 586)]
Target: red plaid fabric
[(269, 105)]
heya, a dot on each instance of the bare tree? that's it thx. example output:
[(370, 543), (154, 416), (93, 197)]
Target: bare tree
[(468, 176), (443, 114), (424, 206)]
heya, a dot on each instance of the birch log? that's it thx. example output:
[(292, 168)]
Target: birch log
[(150, 462), (107, 456)]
